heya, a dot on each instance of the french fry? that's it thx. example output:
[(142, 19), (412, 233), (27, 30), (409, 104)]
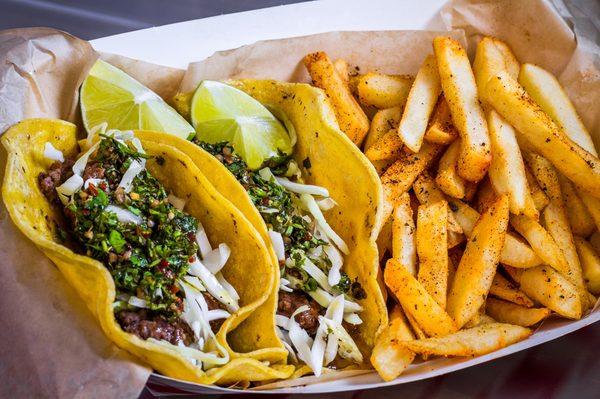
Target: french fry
[(382, 91), (490, 61), (388, 357), (477, 267), (507, 170), (555, 218), (387, 147), (540, 200), (427, 192), (515, 253), (350, 116), (548, 287), (384, 240), (420, 103), (506, 312), (404, 248), (545, 90), (592, 204), (504, 289), (383, 121), (538, 131), (440, 129), (416, 329), (511, 65), (486, 195), (541, 242), (447, 177), (341, 67), (432, 248), (590, 261), (400, 176), (416, 301), (595, 241), (475, 341), (454, 238), (460, 91)]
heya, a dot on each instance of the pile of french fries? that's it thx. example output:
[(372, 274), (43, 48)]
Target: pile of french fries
[(492, 198)]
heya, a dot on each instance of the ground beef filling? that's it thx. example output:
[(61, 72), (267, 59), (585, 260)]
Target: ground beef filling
[(145, 325), (309, 319), (54, 177)]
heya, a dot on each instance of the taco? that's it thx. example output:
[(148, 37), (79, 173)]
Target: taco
[(318, 208), (132, 224)]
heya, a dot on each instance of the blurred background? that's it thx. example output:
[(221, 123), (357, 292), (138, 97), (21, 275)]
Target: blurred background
[(90, 19)]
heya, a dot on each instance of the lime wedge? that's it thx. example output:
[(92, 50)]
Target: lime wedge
[(110, 95), (223, 113)]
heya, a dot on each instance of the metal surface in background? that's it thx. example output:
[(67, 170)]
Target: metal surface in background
[(90, 19)]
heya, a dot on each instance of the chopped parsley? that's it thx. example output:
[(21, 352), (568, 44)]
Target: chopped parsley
[(145, 260)]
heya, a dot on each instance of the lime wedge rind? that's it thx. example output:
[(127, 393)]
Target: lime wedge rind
[(220, 112), (110, 95)]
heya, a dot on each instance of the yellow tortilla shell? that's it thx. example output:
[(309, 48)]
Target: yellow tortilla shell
[(336, 164), (249, 268)]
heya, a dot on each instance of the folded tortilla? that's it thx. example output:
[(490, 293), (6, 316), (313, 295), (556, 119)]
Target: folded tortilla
[(249, 268), (334, 163)]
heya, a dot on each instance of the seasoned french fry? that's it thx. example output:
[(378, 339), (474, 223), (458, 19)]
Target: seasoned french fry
[(592, 205), (387, 147), (447, 177), (486, 195), (455, 238), (341, 67), (458, 85), (511, 64), (404, 248), (506, 312), (540, 199), (388, 357), (400, 176), (470, 191), (382, 91), (384, 240), (416, 301), (382, 122), (504, 289), (515, 253), (555, 218), (350, 116), (545, 90), (590, 261), (548, 287), (538, 131), (432, 248), (595, 241), (541, 242), (427, 192), (543, 87), (440, 129), (507, 170), (475, 341), (514, 273), (420, 103), (416, 329), (490, 60), (477, 267)]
